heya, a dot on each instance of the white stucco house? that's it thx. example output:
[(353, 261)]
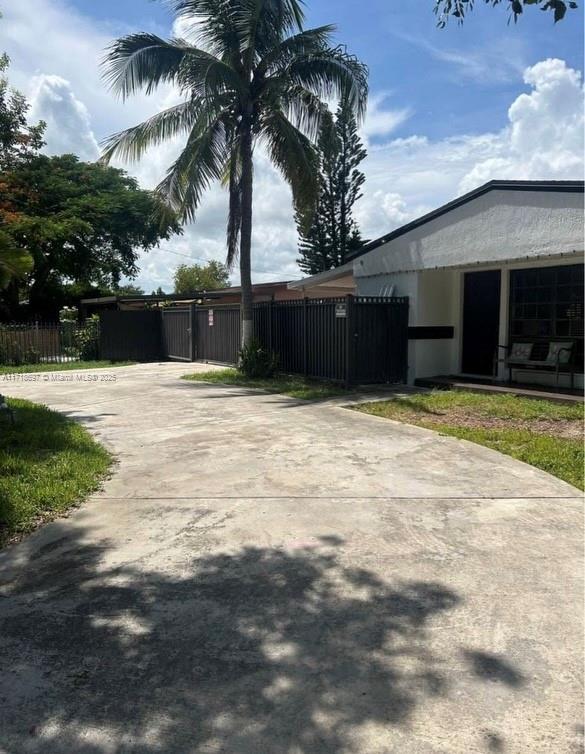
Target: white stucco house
[(498, 270)]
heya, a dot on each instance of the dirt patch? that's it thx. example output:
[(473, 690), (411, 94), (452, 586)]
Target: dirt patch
[(565, 428)]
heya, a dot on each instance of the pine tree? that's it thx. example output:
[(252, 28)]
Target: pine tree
[(331, 234)]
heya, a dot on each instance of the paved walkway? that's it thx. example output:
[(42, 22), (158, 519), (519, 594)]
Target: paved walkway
[(264, 576)]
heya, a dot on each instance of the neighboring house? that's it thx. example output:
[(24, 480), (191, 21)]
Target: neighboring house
[(500, 265), (279, 291)]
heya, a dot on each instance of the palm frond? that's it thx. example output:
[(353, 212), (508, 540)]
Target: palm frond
[(130, 144), (215, 24), (234, 223), (204, 75), (329, 74), (142, 61), (306, 42), (302, 108), (294, 156), (202, 161), (265, 23)]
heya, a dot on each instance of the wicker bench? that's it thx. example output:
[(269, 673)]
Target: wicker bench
[(552, 356)]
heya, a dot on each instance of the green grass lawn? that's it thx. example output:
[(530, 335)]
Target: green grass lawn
[(545, 434), (293, 385), (23, 368), (47, 464)]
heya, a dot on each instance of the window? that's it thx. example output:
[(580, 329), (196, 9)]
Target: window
[(547, 303)]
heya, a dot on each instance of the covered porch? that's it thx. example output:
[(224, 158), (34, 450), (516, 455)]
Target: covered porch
[(520, 322)]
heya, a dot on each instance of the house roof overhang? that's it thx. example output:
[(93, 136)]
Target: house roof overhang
[(359, 263), (339, 277), (191, 296), (555, 186)]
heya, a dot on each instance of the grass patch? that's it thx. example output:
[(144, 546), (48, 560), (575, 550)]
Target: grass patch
[(545, 434), (47, 464), (292, 385), (24, 368)]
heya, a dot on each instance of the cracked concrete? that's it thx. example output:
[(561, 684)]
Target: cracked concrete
[(262, 575)]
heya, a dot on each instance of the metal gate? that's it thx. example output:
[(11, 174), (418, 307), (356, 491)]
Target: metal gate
[(217, 334), (352, 340), (176, 334), (379, 340)]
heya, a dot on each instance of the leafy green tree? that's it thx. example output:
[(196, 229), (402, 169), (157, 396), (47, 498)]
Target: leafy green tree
[(330, 235), (459, 8), (82, 223), (199, 277), (127, 289), (14, 262), (256, 76), (18, 141)]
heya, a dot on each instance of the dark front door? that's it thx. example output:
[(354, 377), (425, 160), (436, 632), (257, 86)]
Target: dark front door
[(481, 321)]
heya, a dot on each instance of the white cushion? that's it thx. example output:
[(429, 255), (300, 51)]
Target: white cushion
[(563, 357), (520, 351)]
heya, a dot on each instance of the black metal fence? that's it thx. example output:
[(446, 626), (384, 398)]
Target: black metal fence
[(349, 340), (132, 336), (53, 342), (177, 328), (217, 334)]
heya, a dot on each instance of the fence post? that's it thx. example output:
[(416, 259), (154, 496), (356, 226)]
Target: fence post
[(192, 331), (305, 337), (349, 341), (270, 313), (404, 328)]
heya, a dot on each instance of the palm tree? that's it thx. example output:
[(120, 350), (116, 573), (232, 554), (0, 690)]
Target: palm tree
[(254, 75)]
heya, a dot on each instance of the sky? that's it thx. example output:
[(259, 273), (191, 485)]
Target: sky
[(449, 109)]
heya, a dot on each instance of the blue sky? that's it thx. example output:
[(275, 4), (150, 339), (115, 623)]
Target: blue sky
[(448, 110), (455, 80)]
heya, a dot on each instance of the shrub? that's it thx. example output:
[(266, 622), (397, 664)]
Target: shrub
[(32, 356), (257, 361), (12, 353), (80, 341), (68, 314), (87, 339)]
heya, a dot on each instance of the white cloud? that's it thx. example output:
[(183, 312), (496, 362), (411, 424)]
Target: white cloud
[(274, 235), (379, 121), (49, 37), (189, 29), (501, 60), (543, 140), (67, 118), (405, 177), (545, 135)]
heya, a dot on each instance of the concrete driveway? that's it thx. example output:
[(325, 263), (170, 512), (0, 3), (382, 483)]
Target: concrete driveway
[(263, 576)]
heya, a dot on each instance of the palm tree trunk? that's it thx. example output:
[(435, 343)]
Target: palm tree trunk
[(247, 314)]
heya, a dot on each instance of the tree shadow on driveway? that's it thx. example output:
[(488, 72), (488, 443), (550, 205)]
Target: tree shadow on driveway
[(263, 650)]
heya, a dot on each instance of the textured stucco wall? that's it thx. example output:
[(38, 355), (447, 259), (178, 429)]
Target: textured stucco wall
[(437, 305), (497, 226), (436, 299), (494, 231)]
